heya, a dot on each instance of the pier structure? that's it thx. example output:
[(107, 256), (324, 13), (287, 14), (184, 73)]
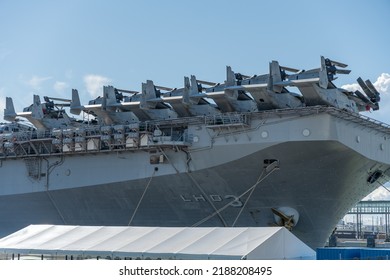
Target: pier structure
[(380, 209)]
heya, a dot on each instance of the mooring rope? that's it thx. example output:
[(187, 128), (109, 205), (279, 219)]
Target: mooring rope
[(142, 197), (259, 180)]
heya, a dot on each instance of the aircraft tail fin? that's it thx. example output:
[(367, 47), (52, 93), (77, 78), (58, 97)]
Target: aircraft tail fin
[(149, 94), (36, 110), (324, 79), (9, 111), (194, 86), (230, 76), (186, 91), (75, 104), (275, 76), (109, 96)]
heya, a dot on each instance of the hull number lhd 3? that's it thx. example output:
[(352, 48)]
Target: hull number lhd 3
[(212, 197)]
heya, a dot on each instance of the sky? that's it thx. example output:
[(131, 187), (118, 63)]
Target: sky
[(49, 47)]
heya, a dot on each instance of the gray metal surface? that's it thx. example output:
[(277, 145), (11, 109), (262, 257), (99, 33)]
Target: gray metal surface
[(324, 161), (245, 152)]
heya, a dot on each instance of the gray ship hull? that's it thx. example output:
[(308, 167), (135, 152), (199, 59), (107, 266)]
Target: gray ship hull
[(225, 178)]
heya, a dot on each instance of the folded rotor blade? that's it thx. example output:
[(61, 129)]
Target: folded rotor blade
[(366, 90)]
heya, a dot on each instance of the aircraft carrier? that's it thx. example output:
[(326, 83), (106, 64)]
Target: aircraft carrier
[(244, 152)]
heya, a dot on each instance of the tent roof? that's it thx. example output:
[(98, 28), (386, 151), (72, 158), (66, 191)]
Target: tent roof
[(158, 242)]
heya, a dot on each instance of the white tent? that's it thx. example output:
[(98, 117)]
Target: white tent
[(157, 242)]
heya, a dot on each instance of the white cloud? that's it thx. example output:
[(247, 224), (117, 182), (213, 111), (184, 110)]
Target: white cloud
[(380, 193), (35, 82), (59, 87), (351, 87), (94, 84), (383, 83)]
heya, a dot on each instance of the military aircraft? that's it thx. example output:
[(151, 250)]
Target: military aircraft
[(239, 93), (44, 115), (317, 88), (105, 108), (189, 100), (150, 104), (252, 93), (113, 107)]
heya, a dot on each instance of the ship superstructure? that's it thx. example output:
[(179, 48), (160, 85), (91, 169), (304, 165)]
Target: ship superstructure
[(246, 152)]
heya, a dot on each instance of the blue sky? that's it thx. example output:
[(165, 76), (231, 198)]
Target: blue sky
[(50, 47)]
